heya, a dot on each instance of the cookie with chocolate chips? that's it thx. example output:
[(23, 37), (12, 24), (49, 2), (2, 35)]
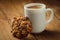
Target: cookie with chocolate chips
[(21, 27)]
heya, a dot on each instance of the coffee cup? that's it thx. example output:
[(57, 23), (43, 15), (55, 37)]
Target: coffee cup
[(37, 15)]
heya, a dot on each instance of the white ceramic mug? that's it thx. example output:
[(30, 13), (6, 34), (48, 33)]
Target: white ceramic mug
[(38, 16)]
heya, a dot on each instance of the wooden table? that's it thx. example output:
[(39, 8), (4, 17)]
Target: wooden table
[(10, 9)]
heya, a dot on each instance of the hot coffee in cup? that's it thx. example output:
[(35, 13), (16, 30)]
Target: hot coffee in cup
[(34, 7)]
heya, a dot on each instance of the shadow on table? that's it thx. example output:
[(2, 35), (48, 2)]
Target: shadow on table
[(45, 35)]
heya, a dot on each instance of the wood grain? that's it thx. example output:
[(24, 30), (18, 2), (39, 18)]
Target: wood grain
[(10, 9)]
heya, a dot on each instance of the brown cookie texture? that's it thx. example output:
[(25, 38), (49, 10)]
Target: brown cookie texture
[(21, 27)]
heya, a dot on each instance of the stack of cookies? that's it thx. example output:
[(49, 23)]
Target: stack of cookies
[(21, 27)]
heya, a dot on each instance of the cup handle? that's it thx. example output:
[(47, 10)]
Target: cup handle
[(51, 15)]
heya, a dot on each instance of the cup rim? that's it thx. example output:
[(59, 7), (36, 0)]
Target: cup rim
[(33, 4)]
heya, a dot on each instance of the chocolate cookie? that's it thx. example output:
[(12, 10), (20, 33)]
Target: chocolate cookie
[(21, 27)]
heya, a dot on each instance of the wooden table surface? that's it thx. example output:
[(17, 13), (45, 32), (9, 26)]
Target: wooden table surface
[(10, 9)]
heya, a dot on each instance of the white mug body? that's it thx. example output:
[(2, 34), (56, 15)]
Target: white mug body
[(36, 16)]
